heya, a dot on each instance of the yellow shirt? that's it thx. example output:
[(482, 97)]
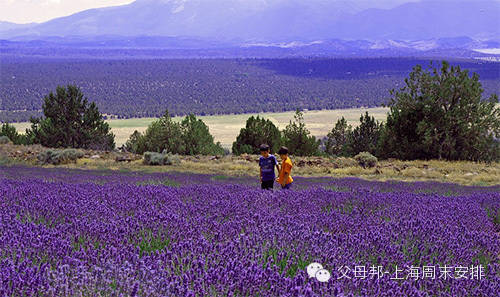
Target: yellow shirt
[(286, 167)]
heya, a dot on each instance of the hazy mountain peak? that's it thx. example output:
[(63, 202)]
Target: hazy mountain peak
[(278, 21)]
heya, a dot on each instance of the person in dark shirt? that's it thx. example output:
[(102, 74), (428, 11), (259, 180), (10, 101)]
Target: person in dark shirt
[(267, 163)]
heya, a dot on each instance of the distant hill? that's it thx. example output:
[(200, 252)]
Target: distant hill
[(275, 21), (7, 26), (145, 88)]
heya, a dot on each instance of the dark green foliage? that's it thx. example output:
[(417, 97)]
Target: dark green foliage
[(57, 157), (346, 142), (296, 137), (163, 134), (10, 132), (365, 159), (256, 132), (159, 159), (151, 242), (136, 143), (70, 121), (190, 137), (364, 138), (336, 142), (439, 114), (196, 138)]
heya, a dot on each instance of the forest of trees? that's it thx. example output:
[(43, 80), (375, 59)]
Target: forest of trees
[(145, 88)]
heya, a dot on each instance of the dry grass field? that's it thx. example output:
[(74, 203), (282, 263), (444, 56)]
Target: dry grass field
[(460, 172)]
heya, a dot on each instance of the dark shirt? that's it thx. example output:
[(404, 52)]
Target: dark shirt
[(267, 166)]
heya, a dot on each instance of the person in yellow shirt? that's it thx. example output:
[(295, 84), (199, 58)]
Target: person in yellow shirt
[(285, 179)]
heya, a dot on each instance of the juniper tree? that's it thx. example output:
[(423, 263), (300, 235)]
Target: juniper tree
[(70, 121), (336, 141), (257, 131), (440, 114), (298, 139)]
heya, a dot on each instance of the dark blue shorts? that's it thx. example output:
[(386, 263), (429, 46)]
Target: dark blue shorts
[(267, 184)]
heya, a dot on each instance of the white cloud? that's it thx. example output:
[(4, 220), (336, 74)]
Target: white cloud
[(27, 11)]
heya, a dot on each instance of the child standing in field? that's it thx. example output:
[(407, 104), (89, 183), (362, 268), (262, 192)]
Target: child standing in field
[(285, 178), (267, 162)]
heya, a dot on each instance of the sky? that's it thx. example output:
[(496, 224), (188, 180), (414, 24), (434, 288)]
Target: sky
[(28, 11)]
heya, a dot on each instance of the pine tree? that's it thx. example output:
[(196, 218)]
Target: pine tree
[(298, 139), (257, 131), (440, 114), (337, 140), (69, 121), (365, 137), (197, 139)]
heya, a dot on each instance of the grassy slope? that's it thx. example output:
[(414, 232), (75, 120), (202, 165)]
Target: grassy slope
[(225, 128)]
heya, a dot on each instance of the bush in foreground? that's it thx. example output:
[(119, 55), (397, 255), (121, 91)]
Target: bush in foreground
[(58, 157), (159, 159), (365, 159), (4, 140)]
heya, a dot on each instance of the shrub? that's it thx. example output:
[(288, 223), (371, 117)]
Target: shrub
[(4, 140), (71, 154), (171, 159), (57, 157), (365, 159), (152, 158), (343, 162), (157, 159)]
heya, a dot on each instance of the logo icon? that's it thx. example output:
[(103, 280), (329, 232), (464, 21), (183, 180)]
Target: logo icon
[(316, 270)]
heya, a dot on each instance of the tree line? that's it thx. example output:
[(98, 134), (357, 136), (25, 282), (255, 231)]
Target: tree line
[(438, 114)]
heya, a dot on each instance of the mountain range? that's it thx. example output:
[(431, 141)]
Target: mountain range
[(273, 21), (269, 28)]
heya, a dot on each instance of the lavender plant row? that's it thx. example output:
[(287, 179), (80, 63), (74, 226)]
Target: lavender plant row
[(78, 233)]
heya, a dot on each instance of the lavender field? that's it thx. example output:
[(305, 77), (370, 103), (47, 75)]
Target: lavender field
[(103, 233)]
